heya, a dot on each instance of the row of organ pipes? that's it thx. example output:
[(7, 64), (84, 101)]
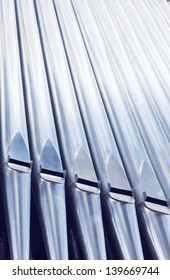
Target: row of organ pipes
[(84, 129)]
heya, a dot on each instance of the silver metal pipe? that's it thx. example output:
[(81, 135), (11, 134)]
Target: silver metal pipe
[(136, 161), (132, 84), (48, 178), (154, 89), (135, 50), (151, 131), (83, 193), (149, 34), (115, 188), (153, 25), (15, 163), (164, 7), (150, 51), (154, 41), (159, 19), (97, 72)]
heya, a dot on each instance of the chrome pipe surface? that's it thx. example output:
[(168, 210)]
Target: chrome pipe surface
[(15, 162), (48, 177)]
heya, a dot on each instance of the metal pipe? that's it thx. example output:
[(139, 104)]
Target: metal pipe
[(164, 7), (48, 177), (136, 161), (115, 189), (132, 84), (15, 163), (152, 134), (83, 193), (154, 41), (159, 19)]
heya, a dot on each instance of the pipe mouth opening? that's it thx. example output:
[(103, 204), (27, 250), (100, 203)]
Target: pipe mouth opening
[(156, 201), (19, 165), (88, 186), (52, 176), (157, 205), (122, 195)]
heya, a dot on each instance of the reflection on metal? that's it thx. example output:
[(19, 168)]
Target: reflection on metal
[(15, 163), (134, 155), (47, 174), (86, 84), (152, 133), (83, 194), (97, 127)]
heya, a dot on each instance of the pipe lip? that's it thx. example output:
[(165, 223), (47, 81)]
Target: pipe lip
[(122, 198), (52, 178), (87, 188), (160, 209), (18, 165), (121, 194), (87, 185), (153, 204)]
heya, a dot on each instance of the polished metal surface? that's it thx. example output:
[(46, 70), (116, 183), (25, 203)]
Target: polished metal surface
[(83, 203), (134, 155), (15, 163), (111, 171), (152, 133), (49, 190), (85, 114)]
